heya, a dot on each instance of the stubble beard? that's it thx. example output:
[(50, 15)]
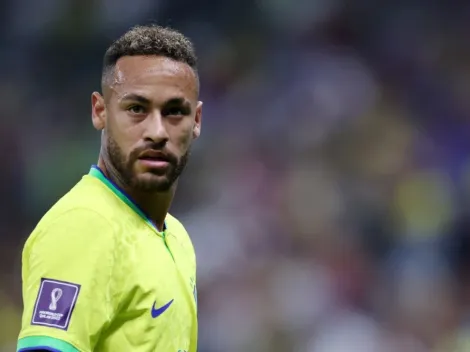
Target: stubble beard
[(142, 183)]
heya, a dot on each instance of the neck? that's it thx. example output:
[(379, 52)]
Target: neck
[(154, 204)]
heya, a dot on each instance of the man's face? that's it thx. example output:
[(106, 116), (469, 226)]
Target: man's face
[(150, 117)]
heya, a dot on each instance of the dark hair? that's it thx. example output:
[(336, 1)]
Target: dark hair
[(150, 40)]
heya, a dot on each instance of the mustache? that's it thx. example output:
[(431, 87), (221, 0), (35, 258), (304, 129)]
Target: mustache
[(135, 154)]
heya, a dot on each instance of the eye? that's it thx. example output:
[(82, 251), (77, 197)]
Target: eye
[(136, 109), (176, 111)]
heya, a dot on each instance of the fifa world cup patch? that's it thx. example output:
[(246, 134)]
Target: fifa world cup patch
[(55, 303)]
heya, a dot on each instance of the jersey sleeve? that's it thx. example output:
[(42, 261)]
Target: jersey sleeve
[(69, 288)]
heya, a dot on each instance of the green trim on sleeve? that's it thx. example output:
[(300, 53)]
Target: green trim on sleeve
[(44, 342)]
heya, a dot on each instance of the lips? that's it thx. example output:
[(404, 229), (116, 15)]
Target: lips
[(154, 155), (154, 159)]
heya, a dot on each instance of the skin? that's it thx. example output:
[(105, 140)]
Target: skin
[(149, 103)]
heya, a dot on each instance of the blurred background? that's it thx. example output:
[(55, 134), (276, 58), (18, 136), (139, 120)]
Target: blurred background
[(329, 196)]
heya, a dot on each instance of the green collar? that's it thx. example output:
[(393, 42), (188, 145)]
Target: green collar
[(96, 172)]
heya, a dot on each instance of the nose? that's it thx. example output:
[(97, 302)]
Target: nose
[(155, 129)]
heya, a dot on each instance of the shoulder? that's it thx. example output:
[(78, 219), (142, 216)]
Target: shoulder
[(92, 194), (86, 210), (81, 215), (69, 228)]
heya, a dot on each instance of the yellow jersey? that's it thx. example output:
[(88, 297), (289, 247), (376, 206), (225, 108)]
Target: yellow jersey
[(98, 276)]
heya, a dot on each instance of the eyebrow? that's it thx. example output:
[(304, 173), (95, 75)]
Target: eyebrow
[(177, 101), (135, 97), (143, 100)]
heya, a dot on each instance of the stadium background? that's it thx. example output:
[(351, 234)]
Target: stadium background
[(328, 198)]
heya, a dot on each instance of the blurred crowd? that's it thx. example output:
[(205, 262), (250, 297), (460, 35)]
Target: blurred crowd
[(328, 198)]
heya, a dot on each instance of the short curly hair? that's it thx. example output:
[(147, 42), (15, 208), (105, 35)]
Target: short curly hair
[(150, 40)]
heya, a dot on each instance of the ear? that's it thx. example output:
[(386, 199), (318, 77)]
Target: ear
[(197, 120), (98, 111)]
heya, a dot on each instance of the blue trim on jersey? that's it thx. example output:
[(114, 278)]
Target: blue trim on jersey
[(39, 348), (95, 171)]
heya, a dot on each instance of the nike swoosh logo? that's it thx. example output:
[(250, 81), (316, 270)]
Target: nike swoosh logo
[(157, 312)]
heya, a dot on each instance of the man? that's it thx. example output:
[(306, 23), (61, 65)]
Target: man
[(107, 268)]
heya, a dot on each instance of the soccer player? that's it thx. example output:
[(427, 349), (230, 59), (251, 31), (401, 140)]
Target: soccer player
[(108, 268)]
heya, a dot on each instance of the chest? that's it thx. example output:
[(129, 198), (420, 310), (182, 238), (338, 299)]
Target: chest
[(164, 272), (159, 312)]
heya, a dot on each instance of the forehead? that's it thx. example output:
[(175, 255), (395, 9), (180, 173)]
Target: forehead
[(154, 77)]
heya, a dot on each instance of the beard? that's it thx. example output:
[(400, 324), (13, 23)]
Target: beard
[(148, 181)]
